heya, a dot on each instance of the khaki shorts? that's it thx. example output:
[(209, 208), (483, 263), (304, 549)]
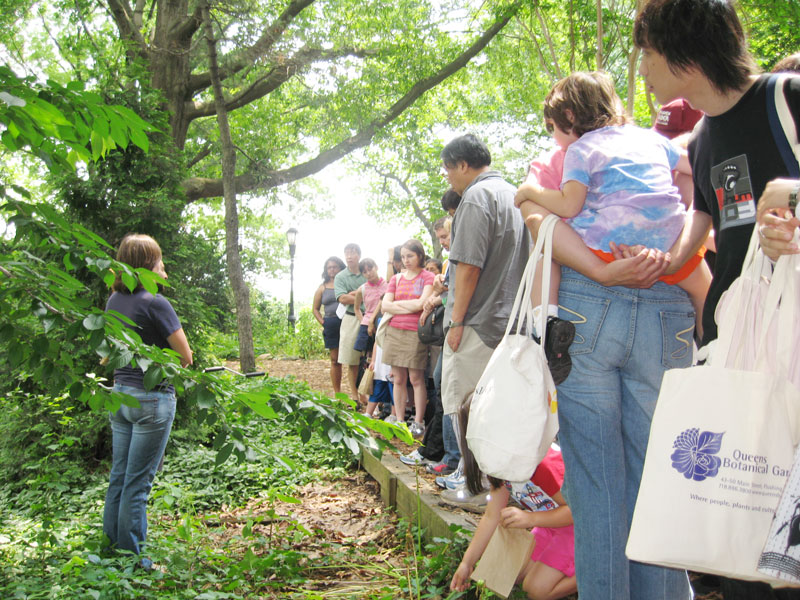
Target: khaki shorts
[(461, 370), (402, 348), (348, 333)]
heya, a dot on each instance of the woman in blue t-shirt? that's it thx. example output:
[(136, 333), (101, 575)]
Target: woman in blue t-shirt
[(140, 433)]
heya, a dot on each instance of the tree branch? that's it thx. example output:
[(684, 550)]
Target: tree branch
[(123, 17), (271, 35), (205, 151), (138, 14), (276, 77), (403, 183), (197, 187), (86, 29), (55, 42), (545, 64), (418, 212), (633, 62), (599, 48), (571, 36), (49, 307), (548, 39), (259, 49), (187, 28)]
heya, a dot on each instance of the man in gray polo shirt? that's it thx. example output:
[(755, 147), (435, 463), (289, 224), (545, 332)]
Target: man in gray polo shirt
[(488, 253)]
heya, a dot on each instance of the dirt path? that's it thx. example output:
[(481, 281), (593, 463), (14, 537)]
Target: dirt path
[(350, 542)]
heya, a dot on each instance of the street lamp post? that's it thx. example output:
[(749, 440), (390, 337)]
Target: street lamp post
[(291, 237)]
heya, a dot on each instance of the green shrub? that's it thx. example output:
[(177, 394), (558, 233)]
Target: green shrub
[(271, 334), (274, 336)]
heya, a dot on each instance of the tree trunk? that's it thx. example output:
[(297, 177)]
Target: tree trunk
[(633, 63), (599, 50), (571, 36), (241, 292), (170, 65), (633, 66)]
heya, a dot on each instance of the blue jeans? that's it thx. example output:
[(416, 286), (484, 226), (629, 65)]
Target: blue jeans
[(452, 455), (624, 341), (139, 436)]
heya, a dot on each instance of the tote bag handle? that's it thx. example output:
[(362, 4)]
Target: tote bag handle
[(781, 303), (755, 266), (522, 301)]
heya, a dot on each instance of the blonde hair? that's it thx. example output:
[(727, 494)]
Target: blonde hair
[(582, 102), (138, 251)]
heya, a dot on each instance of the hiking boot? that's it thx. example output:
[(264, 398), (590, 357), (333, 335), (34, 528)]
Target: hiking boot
[(558, 338), (439, 469), (414, 459)]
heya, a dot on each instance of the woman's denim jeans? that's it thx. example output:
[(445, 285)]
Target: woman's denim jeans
[(139, 438), (624, 341)]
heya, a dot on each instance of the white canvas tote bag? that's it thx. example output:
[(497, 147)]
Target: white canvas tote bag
[(512, 420), (722, 440)]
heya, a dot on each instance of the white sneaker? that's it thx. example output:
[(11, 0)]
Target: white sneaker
[(452, 481), (390, 419), (414, 459), (417, 429), (462, 498)]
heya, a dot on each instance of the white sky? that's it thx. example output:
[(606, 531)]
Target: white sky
[(319, 239)]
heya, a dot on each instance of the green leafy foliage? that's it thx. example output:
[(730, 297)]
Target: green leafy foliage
[(140, 192), (64, 125), (47, 312), (765, 22), (51, 544), (273, 335)]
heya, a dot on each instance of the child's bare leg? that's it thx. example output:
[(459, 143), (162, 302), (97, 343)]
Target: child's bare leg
[(696, 285), (542, 582)]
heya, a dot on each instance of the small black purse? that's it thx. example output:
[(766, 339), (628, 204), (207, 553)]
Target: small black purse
[(431, 332)]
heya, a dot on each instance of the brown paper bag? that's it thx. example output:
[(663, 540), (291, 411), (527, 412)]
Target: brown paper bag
[(503, 559), (365, 387)]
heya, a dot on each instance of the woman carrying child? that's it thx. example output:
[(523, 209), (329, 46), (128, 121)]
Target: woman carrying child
[(550, 572), (402, 349), (616, 189)]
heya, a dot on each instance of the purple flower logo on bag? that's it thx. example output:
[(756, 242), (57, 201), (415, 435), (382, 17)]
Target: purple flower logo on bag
[(695, 452)]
